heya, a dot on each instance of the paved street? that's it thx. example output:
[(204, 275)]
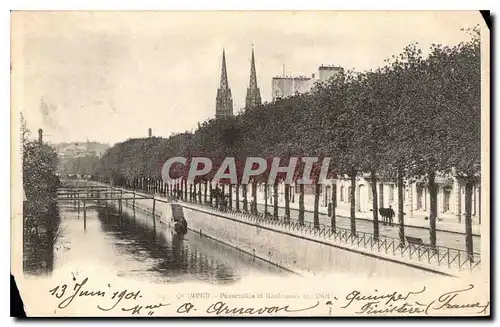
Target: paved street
[(448, 239)]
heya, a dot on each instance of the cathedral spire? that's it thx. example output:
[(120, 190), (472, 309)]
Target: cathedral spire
[(224, 101), (224, 84), (253, 93), (253, 74)]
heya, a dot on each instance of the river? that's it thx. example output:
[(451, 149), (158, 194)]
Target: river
[(132, 247)]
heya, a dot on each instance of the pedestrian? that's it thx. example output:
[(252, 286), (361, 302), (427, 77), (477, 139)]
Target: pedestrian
[(391, 215)]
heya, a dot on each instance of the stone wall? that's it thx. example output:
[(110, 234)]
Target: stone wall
[(295, 253)]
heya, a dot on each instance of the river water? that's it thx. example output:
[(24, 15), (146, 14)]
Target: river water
[(131, 246)]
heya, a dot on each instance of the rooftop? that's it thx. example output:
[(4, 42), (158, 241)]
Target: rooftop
[(329, 67), (304, 78)]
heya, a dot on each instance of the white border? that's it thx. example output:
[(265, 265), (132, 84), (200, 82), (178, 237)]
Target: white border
[(184, 5)]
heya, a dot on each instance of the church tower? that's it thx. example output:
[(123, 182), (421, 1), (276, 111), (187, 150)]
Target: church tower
[(253, 93), (224, 102)]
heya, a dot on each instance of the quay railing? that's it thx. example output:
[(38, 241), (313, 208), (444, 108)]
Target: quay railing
[(434, 255)]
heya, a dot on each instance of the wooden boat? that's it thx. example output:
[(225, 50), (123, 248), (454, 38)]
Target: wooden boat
[(178, 222)]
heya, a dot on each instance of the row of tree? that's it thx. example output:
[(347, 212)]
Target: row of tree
[(84, 165), (40, 212), (415, 118)]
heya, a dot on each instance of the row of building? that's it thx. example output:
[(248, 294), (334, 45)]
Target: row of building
[(416, 198), (282, 86)]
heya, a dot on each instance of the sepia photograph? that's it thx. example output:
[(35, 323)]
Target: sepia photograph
[(250, 163)]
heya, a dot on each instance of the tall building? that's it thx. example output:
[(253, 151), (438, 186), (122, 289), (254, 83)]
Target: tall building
[(253, 93), (285, 86), (327, 72), (224, 101)]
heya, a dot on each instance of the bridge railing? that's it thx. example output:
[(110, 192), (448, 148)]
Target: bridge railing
[(437, 255)]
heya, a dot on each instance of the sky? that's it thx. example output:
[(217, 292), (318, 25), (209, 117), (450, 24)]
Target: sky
[(109, 76)]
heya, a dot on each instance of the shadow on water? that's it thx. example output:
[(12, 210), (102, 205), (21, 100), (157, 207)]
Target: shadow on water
[(41, 222), (180, 258)]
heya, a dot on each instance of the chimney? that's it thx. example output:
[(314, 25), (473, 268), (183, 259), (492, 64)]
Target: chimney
[(40, 137), (150, 132), (313, 76)]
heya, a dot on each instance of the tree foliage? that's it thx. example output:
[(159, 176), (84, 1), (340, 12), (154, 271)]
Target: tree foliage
[(413, 118)]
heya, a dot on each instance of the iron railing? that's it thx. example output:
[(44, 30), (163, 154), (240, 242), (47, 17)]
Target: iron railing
[(435, 255), (438, 255)]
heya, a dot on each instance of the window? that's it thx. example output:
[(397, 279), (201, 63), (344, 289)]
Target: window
[(342, 193), (391, 193), (419, 197), (446, 199), (349, 193)]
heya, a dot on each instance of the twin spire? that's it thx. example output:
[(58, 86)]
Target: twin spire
[(224, 101), (253, 93)]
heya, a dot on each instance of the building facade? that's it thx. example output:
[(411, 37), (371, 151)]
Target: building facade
[(450, 198), (327, 72), (224, 99), (285, 86)]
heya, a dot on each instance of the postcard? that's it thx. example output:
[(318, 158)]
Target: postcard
[(250, 163)]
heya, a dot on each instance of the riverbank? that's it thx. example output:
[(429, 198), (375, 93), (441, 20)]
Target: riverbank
[(278, 238)]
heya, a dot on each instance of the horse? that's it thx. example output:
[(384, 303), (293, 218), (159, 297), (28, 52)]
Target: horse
[(387, 215)]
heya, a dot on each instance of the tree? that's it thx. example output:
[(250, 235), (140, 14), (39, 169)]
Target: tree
[(462, 77)]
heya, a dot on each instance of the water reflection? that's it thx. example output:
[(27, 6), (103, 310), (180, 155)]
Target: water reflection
[(133, 247)]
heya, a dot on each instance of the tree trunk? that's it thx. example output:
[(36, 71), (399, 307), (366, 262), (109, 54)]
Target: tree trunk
[(316, 204), (217, 196), (199, 192), (180, 188), (353, 202), (375, 205), (211, 195), (301, 204), (185, 188), (381, 195), (245, 198), (205, 192), (237, 203), (401, 216), (254, 197), (275, 200), (468, 219), (333, 222), (287, 202), (433, 208), (265, 198)]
